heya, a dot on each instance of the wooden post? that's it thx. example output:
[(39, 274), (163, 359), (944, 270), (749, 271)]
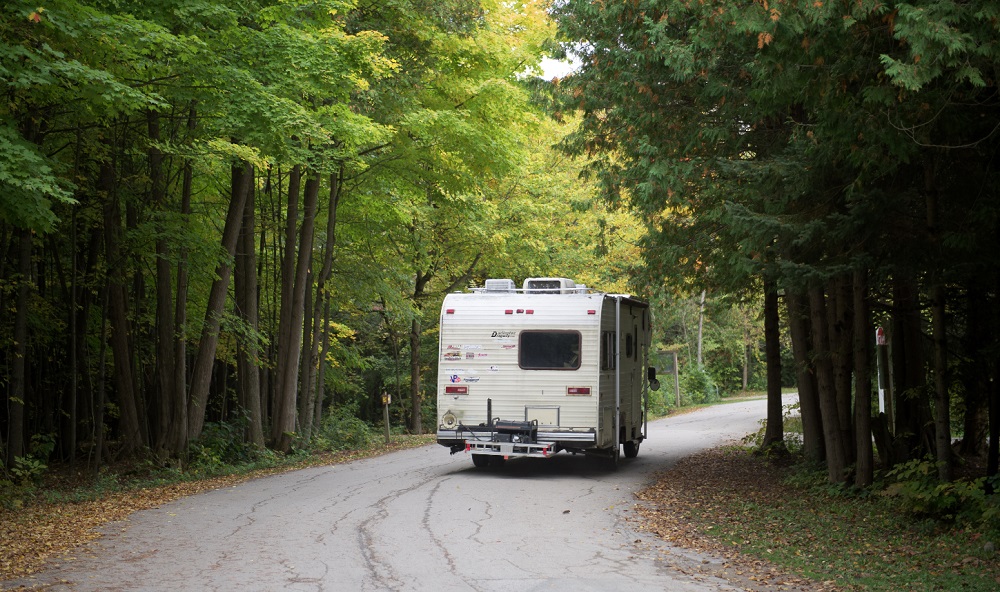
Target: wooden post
[(386, 399), (677, 379)]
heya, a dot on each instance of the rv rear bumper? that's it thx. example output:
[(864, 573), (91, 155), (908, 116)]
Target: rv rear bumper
[(511, 449), (564, 438)]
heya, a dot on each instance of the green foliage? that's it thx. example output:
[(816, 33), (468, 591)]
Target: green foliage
[(27, 470), (222, 445), (791, 428), (20, 481), (661, 401), (697, 387), (28, 185), (342, 430), (917, 490)]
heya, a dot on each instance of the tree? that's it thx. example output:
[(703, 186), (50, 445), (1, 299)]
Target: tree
[(821, 129)]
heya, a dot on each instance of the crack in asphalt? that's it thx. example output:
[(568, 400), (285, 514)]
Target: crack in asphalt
[(380, 569)]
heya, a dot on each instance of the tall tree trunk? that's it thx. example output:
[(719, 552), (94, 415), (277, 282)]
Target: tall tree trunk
[(865, 460), (939, 327), (306, 374), (993, 450), (136, 300), (774, 435), (975, 372), (908, 371), (165, 374), (178, 438), (701, 326), (18, 380), (101, 385), (248, 352), (321, 370), (416, 419), (124, 379), (284, 299), (283, 423), (74, 369), (805, 377), (836, 461), (840, 323), (201, 375), (320, 322), (942, 399), (81, 310)]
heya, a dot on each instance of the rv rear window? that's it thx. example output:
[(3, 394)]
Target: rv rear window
[(549, 350)]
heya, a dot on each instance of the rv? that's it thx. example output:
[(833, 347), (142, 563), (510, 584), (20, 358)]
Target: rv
[(551, 366)]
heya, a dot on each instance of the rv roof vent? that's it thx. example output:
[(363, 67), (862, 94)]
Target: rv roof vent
[(549, 286), (495, 286)]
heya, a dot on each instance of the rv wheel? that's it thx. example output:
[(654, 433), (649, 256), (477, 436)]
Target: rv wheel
[(631, 448), (481, 460)]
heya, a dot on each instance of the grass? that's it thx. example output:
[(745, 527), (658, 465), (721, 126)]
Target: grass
[(751, 509)]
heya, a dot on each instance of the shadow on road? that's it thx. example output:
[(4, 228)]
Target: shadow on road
[(560, 466)]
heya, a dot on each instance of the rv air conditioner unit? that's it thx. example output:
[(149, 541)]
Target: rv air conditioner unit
[(549, 286), (500, 286)]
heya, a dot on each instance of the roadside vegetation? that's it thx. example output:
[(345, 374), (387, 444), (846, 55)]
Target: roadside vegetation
[(778, 521)]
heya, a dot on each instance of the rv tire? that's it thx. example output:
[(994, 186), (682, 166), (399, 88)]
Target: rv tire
[(631, 448)]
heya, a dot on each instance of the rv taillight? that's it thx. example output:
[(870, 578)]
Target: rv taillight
[(592, 311), (509, 311), (578, 390), (450, 311), (530, 311), (457, 390)]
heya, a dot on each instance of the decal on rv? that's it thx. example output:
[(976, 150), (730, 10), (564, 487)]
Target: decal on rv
[(452, 356), (455, 378), (503, 334), (494, 368)]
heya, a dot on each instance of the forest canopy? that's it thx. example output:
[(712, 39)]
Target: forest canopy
[(246, 213)]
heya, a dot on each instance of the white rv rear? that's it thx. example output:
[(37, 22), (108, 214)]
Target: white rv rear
[(552, 366)]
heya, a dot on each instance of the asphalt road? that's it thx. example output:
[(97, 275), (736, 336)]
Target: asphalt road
[(416, 520)]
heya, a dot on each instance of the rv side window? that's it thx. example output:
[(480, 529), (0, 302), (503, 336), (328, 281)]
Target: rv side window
[(608, 350), (549, 350)]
